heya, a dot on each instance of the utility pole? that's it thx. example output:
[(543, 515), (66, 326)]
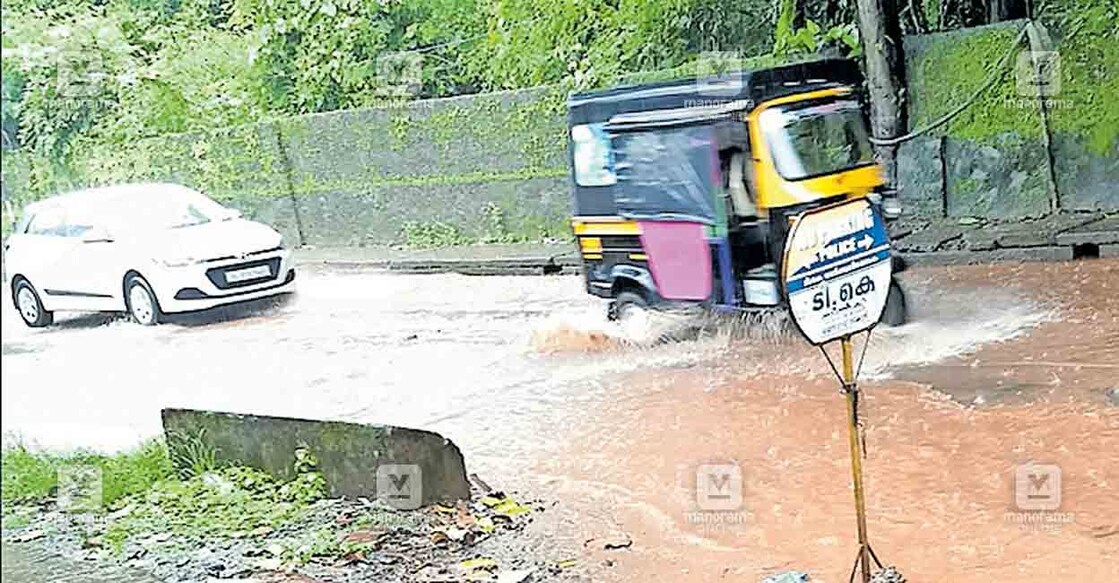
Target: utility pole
[(880, 35)]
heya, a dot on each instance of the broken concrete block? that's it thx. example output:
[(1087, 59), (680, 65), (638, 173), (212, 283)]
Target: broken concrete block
[(353, 458)]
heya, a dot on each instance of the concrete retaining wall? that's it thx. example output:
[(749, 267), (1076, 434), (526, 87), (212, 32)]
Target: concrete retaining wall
[(352, 457)]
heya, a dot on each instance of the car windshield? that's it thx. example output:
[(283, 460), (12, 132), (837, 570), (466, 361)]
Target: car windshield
[(818, 139), (176, 210)]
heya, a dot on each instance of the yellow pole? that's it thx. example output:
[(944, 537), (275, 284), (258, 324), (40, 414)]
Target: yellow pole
[(851, 391)]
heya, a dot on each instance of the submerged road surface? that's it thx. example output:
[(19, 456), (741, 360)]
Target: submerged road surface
[(1002, 365)]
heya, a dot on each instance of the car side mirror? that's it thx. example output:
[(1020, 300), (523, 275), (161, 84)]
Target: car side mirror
[(97, 235)]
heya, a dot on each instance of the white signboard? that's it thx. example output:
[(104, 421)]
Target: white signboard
[(836, 270)]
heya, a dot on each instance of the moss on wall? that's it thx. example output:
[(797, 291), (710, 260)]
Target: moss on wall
[(945, 69), (1086, 35)]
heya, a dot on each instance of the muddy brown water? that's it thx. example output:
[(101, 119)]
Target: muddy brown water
[(957, 401), (1002, 365)]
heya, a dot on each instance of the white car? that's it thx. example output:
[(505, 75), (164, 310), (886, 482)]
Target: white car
[(145, 249)]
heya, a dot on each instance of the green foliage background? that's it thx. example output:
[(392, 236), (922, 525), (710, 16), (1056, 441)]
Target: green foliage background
[(253, 101), (114, 71), (225, 96)]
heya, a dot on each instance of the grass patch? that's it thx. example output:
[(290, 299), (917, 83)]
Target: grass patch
[(230, 502), (143, 494), (32, 476)]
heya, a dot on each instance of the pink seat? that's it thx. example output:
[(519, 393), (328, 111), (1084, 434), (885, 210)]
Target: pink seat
[(679, 258)]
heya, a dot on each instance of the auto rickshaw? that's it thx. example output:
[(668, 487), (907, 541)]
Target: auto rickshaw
[(685, 190)]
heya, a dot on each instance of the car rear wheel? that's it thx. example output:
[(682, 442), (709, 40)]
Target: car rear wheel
[(29, 305), (143, 306)]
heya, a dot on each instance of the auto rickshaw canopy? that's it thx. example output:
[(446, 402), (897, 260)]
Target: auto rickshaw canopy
[(652, 151)]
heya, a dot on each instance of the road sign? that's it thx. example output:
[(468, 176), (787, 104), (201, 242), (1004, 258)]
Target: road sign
[(836, 270)]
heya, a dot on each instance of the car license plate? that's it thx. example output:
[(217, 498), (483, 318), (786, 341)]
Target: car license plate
[(248, 273)]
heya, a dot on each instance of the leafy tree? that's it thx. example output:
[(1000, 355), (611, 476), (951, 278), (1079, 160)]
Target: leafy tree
[(70, 69)]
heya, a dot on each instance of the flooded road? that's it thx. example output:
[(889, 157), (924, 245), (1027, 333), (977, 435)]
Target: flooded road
[(1003, 365), (1005, 368)]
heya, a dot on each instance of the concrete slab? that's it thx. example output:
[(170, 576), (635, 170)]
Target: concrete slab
[(1024, 254), (354, 459), (943, 235), (1024, 233), (1102, 231)]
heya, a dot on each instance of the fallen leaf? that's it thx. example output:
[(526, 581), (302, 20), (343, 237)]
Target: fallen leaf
[(463, 517), (362, 536), (510, 507), (479, 563)]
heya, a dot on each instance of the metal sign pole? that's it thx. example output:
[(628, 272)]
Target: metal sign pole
[(836, 274), (851, 389)]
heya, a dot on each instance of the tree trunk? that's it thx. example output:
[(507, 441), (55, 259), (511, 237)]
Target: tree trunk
[(880, 34), (1000, 10)]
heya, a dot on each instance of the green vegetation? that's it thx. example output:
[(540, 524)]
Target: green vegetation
[(252, 100), (1089, 51), (432, 234), (30, 476), (954, 65), (143, 495), (212, 93), (115, 71), (225, 502)]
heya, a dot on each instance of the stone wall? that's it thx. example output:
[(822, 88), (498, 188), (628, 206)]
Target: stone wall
[(1013, 154), (488, 167)]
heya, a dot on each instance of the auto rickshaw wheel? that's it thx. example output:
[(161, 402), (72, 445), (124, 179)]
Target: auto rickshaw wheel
[(624, 304), (896, 312)]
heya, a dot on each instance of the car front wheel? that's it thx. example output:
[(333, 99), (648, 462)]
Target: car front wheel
[(143, 306), (29, 305)]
